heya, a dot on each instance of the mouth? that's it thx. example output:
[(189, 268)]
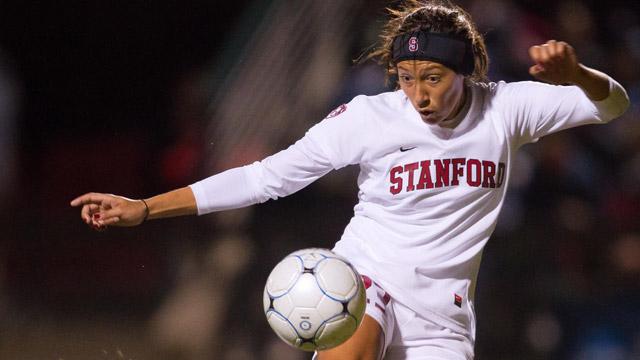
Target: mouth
[(428, 116)]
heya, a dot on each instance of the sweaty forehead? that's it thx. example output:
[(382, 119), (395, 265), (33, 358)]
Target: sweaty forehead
[(420, 65)]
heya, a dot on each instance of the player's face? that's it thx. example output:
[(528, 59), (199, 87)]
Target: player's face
[(435, 91)]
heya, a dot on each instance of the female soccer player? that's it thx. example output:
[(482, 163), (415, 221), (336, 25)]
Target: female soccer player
[(435, 158)]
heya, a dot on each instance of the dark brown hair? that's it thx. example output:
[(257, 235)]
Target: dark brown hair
[(440, 16)]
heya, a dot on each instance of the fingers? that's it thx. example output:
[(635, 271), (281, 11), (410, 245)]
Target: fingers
[(100, 223), (554, 61), (111, 220), (98, 218), (110, 216), (88, 212), (543, 55), (570, 53), (93, 209), (539, 54), (551, 52), (536, 70), (90, 198)]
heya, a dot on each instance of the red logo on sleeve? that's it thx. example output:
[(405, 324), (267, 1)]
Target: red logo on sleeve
[(457, 300), (337, 111)]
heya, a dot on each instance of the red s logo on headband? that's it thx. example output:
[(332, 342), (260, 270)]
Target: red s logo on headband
[(413, 44)]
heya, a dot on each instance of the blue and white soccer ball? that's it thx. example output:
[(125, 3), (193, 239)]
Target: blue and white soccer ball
[(314, 299)]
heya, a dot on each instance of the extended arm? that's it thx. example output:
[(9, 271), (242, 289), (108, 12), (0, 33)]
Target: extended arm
[(278, 175), (101, 210)]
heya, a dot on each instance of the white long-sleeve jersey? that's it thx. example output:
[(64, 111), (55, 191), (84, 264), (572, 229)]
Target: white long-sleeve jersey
[(429, 197)]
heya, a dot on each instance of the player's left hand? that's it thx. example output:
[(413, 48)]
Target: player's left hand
[(555, 62), (101, 210)]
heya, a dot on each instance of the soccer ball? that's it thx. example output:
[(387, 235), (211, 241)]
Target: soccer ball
[(314, 299)]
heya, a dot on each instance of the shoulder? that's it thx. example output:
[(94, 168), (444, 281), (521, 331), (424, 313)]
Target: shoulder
[(501, 88), (346, 133), (362, 117), (522, 93), (531, 89), (391, 100), (364, 107)]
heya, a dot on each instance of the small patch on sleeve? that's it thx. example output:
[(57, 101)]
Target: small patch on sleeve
[(337, 111), (457, 300)]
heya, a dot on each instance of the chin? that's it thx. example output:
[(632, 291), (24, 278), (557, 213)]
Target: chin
[(430, 120)]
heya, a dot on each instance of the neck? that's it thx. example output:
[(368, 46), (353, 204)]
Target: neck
[(457, 115)]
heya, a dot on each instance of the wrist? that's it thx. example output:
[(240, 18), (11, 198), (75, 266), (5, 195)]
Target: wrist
[(581, 76), (146, 210), (594, 83)]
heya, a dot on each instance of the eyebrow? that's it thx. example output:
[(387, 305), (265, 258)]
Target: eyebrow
[(431, 66)]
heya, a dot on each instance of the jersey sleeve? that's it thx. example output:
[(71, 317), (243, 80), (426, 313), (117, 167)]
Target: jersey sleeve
[(533, 110), (317, 153)]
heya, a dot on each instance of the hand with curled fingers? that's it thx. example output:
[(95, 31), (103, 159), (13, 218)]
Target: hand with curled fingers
[(555, 62), (102, 210)]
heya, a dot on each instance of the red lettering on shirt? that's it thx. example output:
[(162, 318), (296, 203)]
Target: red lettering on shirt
[(442, 172), (488, 174), (425, 182), (396, 180), (437, 173), (474, 172), (458, 170), (500, 176), (410, 168)]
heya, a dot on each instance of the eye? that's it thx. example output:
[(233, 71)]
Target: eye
[(405, 78), (433, 78)]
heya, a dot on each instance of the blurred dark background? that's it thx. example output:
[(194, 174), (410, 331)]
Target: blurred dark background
[(140, 97)]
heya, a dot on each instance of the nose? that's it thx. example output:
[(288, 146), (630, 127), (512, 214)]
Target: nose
[(422, 98)]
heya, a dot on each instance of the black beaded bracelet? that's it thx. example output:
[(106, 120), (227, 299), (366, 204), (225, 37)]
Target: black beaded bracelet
[(146, 207)]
